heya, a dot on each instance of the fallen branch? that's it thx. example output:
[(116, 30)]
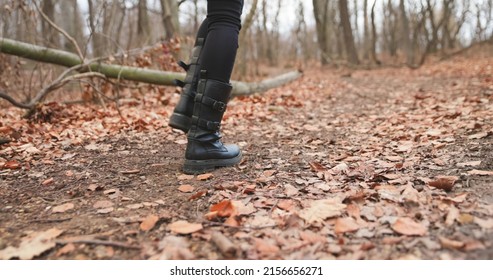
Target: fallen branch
[(68, 59), (98, 242)]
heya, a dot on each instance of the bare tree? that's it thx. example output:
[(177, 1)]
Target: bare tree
[(321, 12), (348, 33)]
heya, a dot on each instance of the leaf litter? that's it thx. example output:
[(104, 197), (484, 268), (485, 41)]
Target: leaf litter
[(386, 164)]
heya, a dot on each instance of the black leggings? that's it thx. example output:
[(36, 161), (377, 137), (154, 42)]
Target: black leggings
[(220, 30)]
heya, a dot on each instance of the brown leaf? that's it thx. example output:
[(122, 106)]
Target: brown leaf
[(445, 183), (205, 177), (184, 227), (33, 245), (486, 224), (286, 204), (183, 177), (102, 204), (69, 248), (450, 244), (344, 225), (105, 210), (312, 237), (197, 195), (452, 215), (224, 208), (407, 226), (265, 247), (290, 190), (478, 135), (186, 188), (48, 182), (94, 187), (62, 208), (149, 222), (480, 172), (317, 167), (469, 164), (320, 210), (11, 164)]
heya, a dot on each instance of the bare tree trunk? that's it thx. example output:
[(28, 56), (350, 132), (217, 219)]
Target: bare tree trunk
[(169, 11), (366, 31), (143, 24), (373, 48), (348, 32), (405, 33), (97, 47), (51, 35), (320, 11), (243, 37)]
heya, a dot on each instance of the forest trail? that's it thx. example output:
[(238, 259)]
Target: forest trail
[(381, 164)]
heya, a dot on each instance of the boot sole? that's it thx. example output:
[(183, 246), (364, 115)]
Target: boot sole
[(202, 166), (180, 122)]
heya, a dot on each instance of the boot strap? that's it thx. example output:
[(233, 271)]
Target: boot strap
[(205, 124), (214, 104)]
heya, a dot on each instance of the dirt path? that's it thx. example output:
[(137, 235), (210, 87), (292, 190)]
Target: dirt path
[(382, 164)]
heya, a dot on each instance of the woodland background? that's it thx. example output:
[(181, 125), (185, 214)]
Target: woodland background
[(275, 35)]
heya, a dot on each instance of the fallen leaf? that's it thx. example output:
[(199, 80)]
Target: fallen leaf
[(450, 244), (149, 222), (320, 210), (105, 210), (94, 187), (11, 164), (286, 204), (480, 172), (224, 209), (33, 245), (69, 248), (317, 167), (407, 226), (478, 135), (135, 206), (312, 237), (469, 164), (63, 208), (344, 225), (102, 204), (265, 247), (186, 188), (48, 182), (197, 195), (452, 215), (205, 177), (485, 224), (445, 183), (290, 190), (184, 227), (183, 177)]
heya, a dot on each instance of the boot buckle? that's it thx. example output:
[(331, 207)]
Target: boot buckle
[(219, 106)]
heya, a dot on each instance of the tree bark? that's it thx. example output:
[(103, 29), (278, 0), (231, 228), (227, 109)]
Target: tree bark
[(169, 9), (143, 24), (348, 33), (405, 34), (320, 11), (166, 78), (48, 8)]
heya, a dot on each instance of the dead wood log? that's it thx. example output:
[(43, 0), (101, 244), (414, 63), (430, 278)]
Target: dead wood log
[(68, 59)]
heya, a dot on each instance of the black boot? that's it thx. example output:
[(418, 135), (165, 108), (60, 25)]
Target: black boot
[(205, 151), (182, 115)]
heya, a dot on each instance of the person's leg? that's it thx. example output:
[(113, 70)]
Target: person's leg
[(182, 114), (205, 151)]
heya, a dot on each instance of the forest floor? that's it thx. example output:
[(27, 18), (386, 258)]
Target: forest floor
[(390, 163)]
